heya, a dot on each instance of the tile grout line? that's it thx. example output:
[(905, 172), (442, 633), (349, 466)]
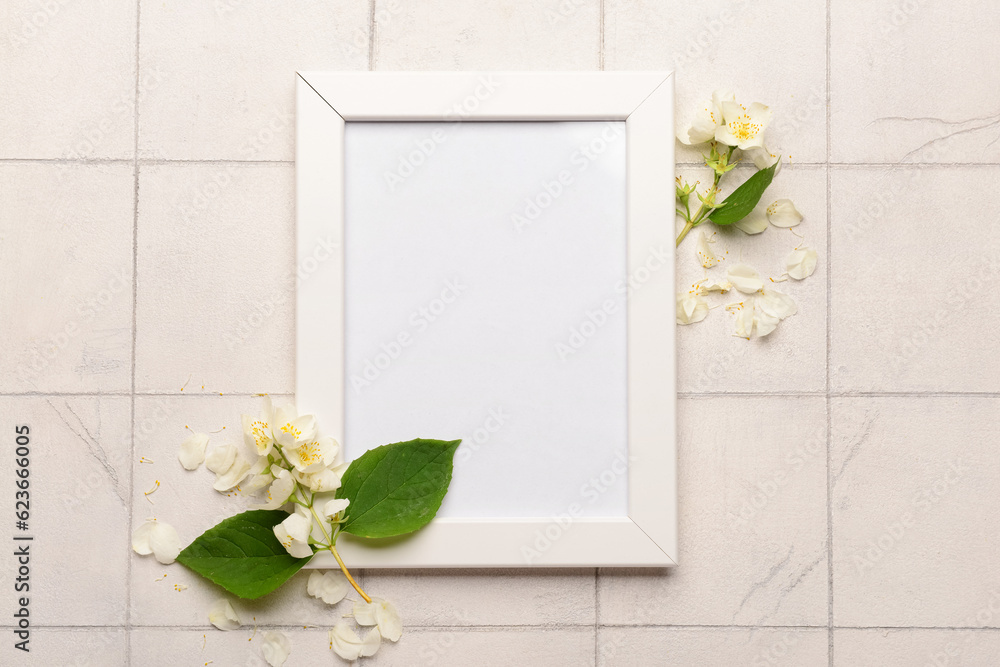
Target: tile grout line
[(135, 272), (829, 284), (600, 36), (686, 395), (372, 54)]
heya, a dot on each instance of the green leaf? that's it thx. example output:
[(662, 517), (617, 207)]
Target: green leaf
[(242, 555), (396, 489), (744, 198)]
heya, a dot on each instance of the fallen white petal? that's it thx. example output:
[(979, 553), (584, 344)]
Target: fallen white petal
[(390, 625), (691, 308), (222, 615), (754, 223), (764, 323), (276, 648), (744, 321), (221, 458), (714, 285), (331, 586), (745, 278), (707, 258), (370, 643), (801, 262), (763, 158), (344, 641), (776, 304), (783, 213), (234, 475), (364, 612), (192, 452), (157, 538)]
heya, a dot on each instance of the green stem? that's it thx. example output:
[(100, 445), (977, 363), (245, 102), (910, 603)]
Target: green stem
[(340, 562), (684, 232)]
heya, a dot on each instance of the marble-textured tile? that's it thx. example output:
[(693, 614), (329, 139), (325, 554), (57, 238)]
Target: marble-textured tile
[(76, 647), (914, 82), (169, 647), (710, 647), (752, 517), (504, 35), (927, 648), (68, 79), (914, 540), (709, 45), (66, 272), (710, 358), (226, 72), (216, 270), (78, 487), (484, 597), (911, 302), (571, 647)]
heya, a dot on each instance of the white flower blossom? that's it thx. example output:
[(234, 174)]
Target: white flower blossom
[(280, 491), (293, 533), (707, 258), (257, 432), (783, 213), (331, 586), (707, 120), (276, 648), (312, 455), (801, 262), (745, 278), (291, 430), (157, 538), (192, 451), (335, 507), (743, 127), (321, 481), (381, 613), (222, 615), (691, 308)]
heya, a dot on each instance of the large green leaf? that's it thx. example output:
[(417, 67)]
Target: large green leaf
[(242, 555), (744, 198), (396, 489)]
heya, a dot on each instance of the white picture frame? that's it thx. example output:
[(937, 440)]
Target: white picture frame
[(647, 537)]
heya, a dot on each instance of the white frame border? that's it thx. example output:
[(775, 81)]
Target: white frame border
[(644, 100)]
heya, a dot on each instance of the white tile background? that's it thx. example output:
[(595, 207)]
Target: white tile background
[(838, 480)]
